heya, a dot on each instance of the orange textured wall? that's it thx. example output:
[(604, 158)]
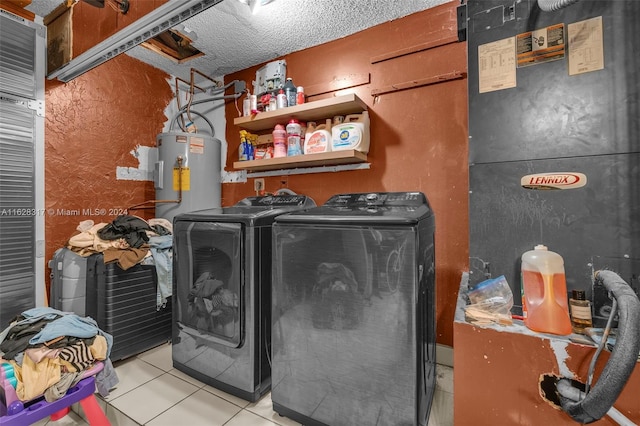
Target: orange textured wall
[(418, 136), (92, 125)]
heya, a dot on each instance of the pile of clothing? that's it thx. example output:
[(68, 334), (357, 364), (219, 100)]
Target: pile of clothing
[(128, 241), (212, 307), (50, 351)]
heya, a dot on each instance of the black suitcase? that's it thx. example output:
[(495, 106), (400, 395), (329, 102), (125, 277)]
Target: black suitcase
[(123, 303), (68, 282)]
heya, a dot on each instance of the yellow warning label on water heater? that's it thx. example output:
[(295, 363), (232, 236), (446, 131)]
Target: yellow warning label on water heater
[(186, 179)]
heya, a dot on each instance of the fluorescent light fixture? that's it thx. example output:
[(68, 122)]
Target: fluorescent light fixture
[(155, 22), (255, 5)]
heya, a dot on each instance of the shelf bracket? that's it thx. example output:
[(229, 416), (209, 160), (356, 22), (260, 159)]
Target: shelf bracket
[(454, 75), (308, 170)]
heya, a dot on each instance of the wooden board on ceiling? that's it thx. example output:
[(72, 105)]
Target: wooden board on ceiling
[(18, 3), (59, 37), (17, 8)]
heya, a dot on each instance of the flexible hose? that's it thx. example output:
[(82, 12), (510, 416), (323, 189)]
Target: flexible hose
[(179, 113), (622, 361), (566, 390), (215, 98), (603, 343), (551, 5)]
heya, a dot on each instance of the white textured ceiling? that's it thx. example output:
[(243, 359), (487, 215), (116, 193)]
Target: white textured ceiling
[(233, 38)]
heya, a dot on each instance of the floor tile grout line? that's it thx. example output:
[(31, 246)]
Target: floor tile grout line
[(167, 409), (178, 377), (191, 394), (124, 414), (223, 398), (141, 384), (232, 417)]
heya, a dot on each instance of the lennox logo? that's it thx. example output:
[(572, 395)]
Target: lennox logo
[(561, 180)]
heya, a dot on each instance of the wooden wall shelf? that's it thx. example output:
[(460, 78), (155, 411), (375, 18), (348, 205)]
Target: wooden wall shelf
[(309, 111), (308, 160)]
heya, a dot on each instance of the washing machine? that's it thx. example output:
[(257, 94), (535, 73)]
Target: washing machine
[(221, 332), (353, 316)]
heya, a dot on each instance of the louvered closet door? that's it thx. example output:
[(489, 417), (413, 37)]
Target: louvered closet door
[(17, 208), (21, 132)]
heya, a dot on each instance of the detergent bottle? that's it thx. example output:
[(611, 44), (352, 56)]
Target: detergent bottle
[(294, 138), (319, 140), (545, 305), (353, 133)]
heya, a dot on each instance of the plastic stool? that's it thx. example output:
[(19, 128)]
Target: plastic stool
[(19, 413)]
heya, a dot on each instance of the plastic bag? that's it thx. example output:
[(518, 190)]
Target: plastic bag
[(491, 300)]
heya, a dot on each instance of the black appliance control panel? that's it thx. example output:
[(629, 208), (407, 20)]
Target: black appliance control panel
[(275, 201), (378, 199)]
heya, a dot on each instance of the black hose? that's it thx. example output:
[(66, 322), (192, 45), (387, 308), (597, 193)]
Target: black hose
[(622, 361)]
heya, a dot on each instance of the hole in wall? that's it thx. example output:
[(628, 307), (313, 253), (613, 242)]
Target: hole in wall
[(548, 392)]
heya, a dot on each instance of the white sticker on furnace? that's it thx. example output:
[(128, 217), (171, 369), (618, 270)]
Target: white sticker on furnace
[(559, 180)]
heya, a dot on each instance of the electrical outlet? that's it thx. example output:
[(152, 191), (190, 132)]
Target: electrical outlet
[(258, 184)]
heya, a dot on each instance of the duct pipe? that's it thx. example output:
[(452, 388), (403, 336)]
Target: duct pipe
[(551, 5)]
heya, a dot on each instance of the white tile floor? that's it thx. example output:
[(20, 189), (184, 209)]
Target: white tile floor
[(151, 392)]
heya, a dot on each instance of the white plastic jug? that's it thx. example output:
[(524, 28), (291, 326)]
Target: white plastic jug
[(352, 134), (319, 140), (545, 304)]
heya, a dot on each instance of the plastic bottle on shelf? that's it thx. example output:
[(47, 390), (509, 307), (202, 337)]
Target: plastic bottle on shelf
[(243, 148), (291, 91), (279, 141), (319, 140), (246, 105), (254, 103), (299, 95), (352, 133), (281, 99), (294, 144), (544, 292)]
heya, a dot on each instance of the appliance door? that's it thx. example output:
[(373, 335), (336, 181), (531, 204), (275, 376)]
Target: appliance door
[(208, 282), (344, 323)]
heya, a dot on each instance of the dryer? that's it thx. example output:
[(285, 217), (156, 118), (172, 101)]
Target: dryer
[(353, 311), (222, 293)]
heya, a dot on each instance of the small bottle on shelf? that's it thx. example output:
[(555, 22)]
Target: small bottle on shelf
[(300, 95), (580, 312), (253, 101), (281, 100), (246, 105), (273, 103), (291, 91)]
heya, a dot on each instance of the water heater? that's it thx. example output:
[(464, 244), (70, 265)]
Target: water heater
[(187, 174)]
